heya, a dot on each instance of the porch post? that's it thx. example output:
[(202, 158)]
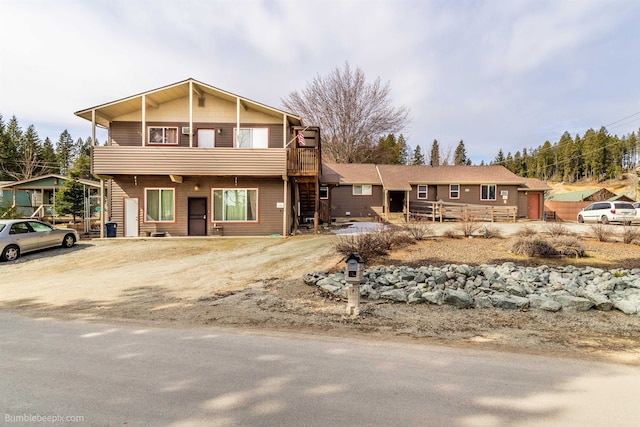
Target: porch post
[(190, 113), (93, 128), (144, 118), (285, 210), (406, 198), (102, 203)]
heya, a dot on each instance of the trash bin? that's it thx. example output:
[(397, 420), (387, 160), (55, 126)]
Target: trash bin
[(111, 228)]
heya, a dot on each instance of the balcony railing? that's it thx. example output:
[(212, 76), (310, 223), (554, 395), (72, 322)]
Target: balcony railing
[(302, 161)]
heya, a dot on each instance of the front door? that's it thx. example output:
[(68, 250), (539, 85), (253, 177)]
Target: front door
[(131, 217), (396, 201), (533, 209), (197, 216)]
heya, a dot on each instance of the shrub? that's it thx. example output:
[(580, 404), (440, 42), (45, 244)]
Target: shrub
[(419, 231), (368, 245), (569, 246), (450, 234), (538, 246), (601, 232), (372, 244), (533, 246), (491, 232), (468, 226), (630, 234), (526, 231), (556, 229)]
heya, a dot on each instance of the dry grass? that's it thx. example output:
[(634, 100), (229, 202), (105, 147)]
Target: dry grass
[(630, 234), (601, 232), (468, 226)]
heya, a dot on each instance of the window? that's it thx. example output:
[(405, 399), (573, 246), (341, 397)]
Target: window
[(163, 135), (324, 192), (422, 191), (235, 204), (488, 192), (251, 138), (159, 204), (362, 190), (454, 191)]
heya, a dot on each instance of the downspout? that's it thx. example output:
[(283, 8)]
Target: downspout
[(285, 210), (144, 118), (237, 121)]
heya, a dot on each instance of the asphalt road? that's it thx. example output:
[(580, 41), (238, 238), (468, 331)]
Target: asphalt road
[(78, 373)]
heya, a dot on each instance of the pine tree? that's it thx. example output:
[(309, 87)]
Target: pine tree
[(70, 198), (417, 158), (499, 160), (48, 157), (403, 150), (460, 155), (434, 158), (64, 152)]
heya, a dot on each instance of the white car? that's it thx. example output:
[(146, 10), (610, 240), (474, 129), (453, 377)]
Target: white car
[(606, 212), (18, 236)]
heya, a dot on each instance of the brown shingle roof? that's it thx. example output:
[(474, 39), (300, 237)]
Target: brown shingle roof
[(350, 173), (400, 177), (534, 184)]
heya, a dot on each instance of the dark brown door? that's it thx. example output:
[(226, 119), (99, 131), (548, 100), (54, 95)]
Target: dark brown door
[(197, 216), (396, 201)]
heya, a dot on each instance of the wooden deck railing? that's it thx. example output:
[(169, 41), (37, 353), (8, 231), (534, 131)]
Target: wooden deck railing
[(302, 161), (436, 211)]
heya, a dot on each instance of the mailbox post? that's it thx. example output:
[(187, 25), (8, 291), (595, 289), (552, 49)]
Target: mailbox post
[(353, 277)]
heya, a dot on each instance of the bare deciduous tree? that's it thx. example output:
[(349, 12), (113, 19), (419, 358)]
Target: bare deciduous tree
[(352, 113)]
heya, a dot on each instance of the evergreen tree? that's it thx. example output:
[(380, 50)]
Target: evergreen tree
[(65, 152), (434, 158), (403, 150), (499, 160), (460, 155), (9, 145), (69, 200), (48, 157), (418, 157)]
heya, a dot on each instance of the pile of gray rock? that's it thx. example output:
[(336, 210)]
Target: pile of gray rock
[(506, 286)]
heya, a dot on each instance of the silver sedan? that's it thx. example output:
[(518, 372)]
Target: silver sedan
[(18, 236)]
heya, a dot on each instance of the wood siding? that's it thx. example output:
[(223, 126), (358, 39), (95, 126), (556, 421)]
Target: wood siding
[(472, 196), (343, 201), (270, 192), (130, 133), (188, 161)]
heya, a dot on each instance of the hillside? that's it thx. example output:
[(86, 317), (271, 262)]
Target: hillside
[(627, 185)]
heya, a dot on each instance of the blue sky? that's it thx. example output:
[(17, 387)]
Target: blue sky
[(496, 74)]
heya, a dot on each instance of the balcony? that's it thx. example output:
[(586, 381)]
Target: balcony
[(135, 160), (303, 161)]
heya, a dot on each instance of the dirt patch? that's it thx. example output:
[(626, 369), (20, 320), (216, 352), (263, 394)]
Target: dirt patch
[(256, 283)]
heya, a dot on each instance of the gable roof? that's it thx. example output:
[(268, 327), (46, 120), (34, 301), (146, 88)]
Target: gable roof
[(33, 182), (402, 177), (582, 195), (130, 104), (350, 173), (534, 184)]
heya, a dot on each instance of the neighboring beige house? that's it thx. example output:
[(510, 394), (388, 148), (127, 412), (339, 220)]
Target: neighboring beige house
[(367, 190), (189, 159)]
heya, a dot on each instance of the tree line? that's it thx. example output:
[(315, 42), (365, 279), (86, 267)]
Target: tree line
[(596, 155), (24, 155)]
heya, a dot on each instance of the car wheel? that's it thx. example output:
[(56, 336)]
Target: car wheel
[(604, 219), (11, 253), (580, 219), (68, 241)]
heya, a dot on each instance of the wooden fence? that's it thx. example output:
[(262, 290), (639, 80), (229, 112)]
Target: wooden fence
[(441, 211)]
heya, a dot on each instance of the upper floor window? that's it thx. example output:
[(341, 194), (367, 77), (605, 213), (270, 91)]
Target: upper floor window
[(454, 191), (362, 190), (422, 192), (251, 138), (163, 135), (488, 192)]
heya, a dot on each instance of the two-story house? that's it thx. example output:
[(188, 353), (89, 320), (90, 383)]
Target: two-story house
[(189, 159)]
